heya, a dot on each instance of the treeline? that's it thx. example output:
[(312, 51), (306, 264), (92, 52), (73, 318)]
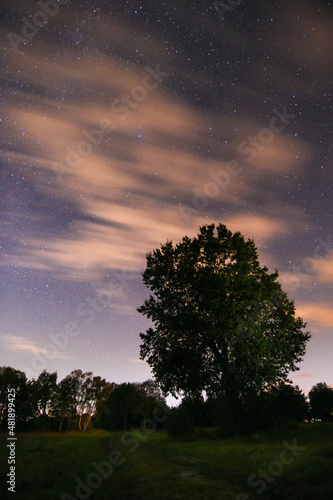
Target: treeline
[(77, 402), (81, 401), (278, 406)]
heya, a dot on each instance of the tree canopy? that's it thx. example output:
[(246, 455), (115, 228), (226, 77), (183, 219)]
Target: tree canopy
[(25, 403), (321, 402), (128, 404), (221, 322), (45, 389)]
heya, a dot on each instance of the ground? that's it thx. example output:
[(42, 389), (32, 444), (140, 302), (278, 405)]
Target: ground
[(292, 464)]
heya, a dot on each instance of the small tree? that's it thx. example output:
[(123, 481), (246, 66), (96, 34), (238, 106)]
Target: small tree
[(45, 388), (286, 403), (129, 404), (122, 406), (321, 402), (292, 402), (65, 400)]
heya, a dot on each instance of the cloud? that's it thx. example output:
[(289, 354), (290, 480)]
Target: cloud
[(304, 34), (136, 360), (258, 227), (16, 343), (292, 281), (305, 375), (317, 313), (312, 34), (120, 242), (324, 270), (123, 198)]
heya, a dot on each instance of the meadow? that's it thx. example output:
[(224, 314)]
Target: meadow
[(295, 463)]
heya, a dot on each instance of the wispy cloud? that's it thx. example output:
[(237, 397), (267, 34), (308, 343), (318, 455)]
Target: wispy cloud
[(16, 343), (123, 198), (319, 314), (136, 360), (304, 375), (324, 270)]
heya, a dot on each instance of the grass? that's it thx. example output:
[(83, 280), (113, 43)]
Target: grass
[(48, 463), (154, 467)]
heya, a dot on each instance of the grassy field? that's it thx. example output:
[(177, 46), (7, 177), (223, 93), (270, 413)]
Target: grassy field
[(295, 464)]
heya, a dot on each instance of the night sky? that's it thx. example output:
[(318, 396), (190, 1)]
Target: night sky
[(128, 123)]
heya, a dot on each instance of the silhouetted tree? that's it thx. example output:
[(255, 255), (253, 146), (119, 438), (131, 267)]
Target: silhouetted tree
[(123, 404), (151, 394), (85, 398), (76, 398), (151, 388), (44, 390), (222, 323), (129, 404), (92, 390), (25, 403), (290, 402), (65, 400), (321, 402), (102, 391)]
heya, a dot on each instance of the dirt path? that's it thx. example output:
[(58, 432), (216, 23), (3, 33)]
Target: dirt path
[(147, 474)]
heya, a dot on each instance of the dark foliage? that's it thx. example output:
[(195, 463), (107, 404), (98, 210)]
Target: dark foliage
[(321, 402), (128, 405), (222, 323)]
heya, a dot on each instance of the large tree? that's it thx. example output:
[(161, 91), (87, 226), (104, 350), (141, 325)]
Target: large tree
[(221, 322)]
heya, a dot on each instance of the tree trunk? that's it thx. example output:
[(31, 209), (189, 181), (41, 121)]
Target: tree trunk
[(86, 423)]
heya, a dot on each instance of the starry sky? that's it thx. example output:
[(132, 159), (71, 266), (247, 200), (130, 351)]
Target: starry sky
[(128, 123)]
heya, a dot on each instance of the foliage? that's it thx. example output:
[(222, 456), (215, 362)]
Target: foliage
[(128, 405), (289, 402), (321, 402), (121, 406), (77, 397), (81, 399), (280, 406), (44, 404), (45, 388), (25, 404), (222, 323), (65, 400), (180, 422)]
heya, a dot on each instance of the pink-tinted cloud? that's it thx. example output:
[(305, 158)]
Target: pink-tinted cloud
[(304, 375), (319, 314)]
